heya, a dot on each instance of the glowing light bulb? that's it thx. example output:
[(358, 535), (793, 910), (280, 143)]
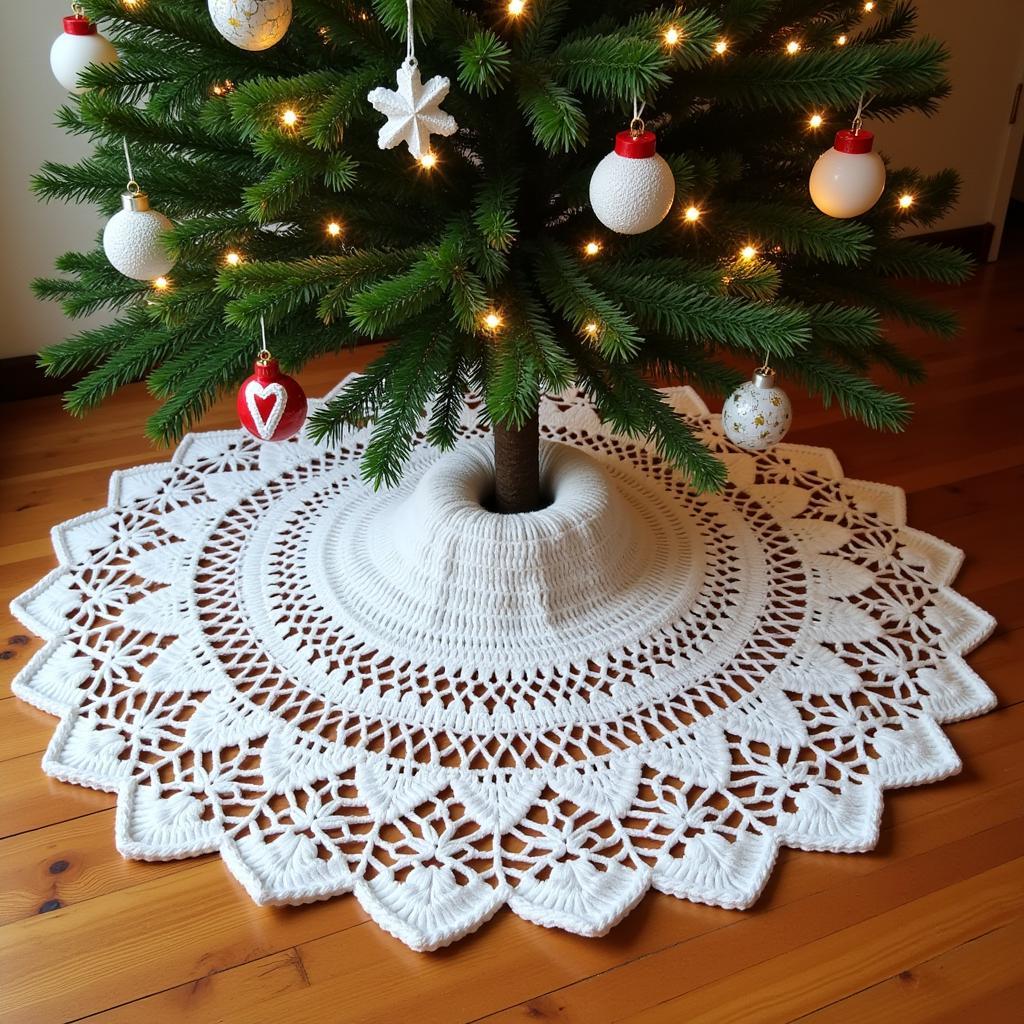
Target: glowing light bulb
[(792, 47), (869, 6), (592, 248), (289, 118), (841, 40), (671, 36), (334, 229), (493, 320), (692, 214), (816, 121), (428, 161), (906, 201), (721, 46), (161, 284), (591, 328), (232, 259), (748, 252), (516, 7)]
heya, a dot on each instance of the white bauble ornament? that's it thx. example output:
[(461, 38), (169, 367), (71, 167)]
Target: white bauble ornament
[(413, 110), (78, 46), (849, 179), (757, 414), (132, 241), (251, 24), (632, 189)]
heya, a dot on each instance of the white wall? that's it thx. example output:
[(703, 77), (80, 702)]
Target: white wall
[(34, 234), (970, 133)]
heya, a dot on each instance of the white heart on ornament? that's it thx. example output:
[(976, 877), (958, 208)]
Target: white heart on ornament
[(265, 427)]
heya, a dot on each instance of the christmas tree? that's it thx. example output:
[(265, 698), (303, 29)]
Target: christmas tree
[(482, 261)]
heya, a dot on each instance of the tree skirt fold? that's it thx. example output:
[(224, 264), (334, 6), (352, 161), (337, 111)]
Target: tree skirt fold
[(443, 710)]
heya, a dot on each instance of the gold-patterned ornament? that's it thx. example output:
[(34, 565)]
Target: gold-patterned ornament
[(251, 24), (757, 414)]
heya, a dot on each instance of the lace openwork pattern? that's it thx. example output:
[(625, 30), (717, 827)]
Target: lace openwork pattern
[(401, 694)]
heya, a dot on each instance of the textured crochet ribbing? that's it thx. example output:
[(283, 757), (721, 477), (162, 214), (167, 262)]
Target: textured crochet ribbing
[(400, 694)]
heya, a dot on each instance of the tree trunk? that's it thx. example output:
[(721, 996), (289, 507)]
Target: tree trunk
[(517, 467)]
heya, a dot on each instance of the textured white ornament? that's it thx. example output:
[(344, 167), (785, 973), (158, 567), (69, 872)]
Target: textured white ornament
[(251, 24), (78, 46), (757, 414), (632, 189), (635, 687), (132, 240), (848, 179), (413, 110)]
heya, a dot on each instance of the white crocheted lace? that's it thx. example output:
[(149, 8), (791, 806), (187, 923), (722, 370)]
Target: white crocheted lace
[(441, 709)]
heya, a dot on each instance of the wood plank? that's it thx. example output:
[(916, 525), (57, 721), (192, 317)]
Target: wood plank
[(981, 979)]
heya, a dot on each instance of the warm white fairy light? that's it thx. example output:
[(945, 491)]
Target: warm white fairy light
[(748, 252), (815, 121), (672, 36), (161, 284), (591, 328), (516, 7), (592, 248), (869, 6), (493, 320), (721, 46), (841, 40), (906, 201), (232, 258), (333, 228), (428, 161), (692, 214), (289, 118), (792, 47)]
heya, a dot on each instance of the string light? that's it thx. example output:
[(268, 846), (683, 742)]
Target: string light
[(592, 248), (516, 7), (289, 118), (161, 284), (869, 6), (841, 40), (906, 201), (223, 88), (816, 121), (493, 320), (232, 259), (792, 47), (721, 46), (591, 328), (748, 252), (428, 161), (692, 214), (131, 3), (671, 36), (334, 229)]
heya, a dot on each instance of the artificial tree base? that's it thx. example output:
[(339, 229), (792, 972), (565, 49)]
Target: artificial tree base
[(444, 709)]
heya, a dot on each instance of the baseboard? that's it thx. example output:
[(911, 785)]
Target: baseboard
[(24, 378), (975, 239)]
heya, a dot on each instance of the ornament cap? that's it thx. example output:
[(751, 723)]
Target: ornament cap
[(854, 141), (79, 25), (135, 202), (764, 377), (636, 147), (266, 369)]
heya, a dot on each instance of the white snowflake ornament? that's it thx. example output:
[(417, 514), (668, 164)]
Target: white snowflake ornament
[(413, 110)]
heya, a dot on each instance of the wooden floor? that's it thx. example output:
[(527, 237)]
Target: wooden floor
[(929, 927)]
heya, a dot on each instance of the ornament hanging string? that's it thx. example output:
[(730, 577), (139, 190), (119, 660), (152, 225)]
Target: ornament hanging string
[(858, 118), (636, 126), (410, 42), (132, 186), (263, 356)]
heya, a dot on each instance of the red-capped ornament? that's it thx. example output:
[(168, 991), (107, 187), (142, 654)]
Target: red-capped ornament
[(848, 179), (632, 189), (271, 405), (78, 46)]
